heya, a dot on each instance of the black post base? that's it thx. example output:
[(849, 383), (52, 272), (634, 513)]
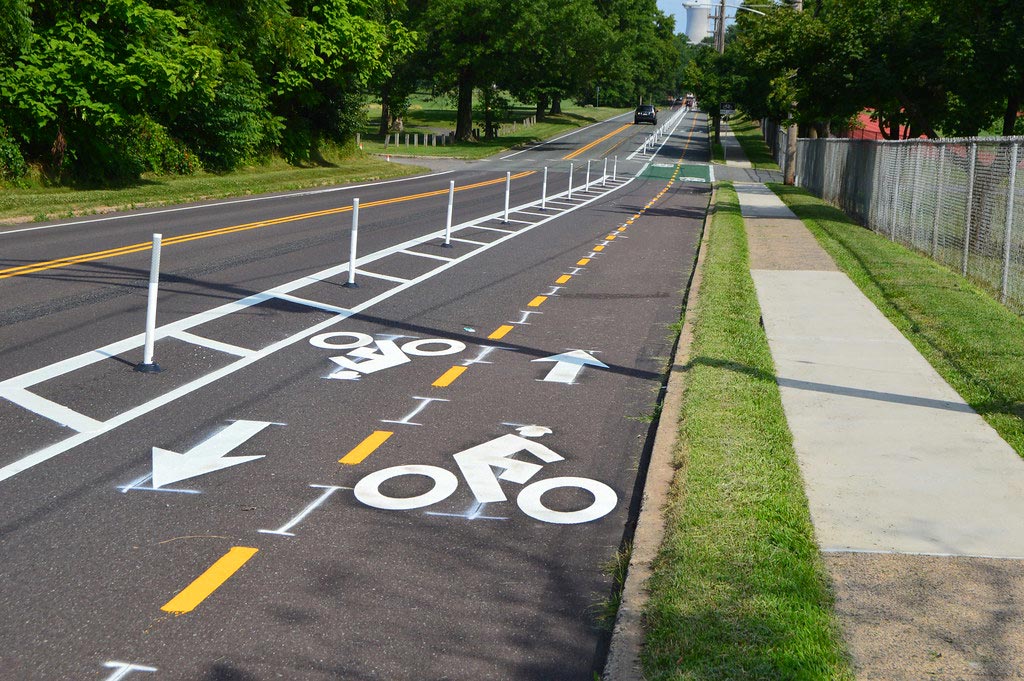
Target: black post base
[(144, 368)]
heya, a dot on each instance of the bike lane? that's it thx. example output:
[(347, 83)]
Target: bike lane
[(457, 588)]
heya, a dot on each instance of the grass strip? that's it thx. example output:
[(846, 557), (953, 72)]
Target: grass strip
[(739, 590), (436, 121), (748, 134), (974, 342), (46, 203)]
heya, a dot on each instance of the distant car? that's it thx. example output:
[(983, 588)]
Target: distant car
[(679, 101), (645, 113)]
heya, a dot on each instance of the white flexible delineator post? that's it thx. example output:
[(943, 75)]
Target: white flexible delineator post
[(148, 365), (353, 239), (448, 222)]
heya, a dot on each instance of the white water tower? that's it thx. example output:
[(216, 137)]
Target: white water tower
[(697, 12)]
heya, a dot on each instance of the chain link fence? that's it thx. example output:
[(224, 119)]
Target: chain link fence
[(959, 201)]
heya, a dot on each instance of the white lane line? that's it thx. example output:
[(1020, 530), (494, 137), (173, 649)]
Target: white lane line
[(65, 416), (427, 255), (522, 222), (470, 241), (385, 277), (496, 229), (222, 203), (562, 137), (312, 303), (118, 347), (539, 215), (211, 344), (674, 122)]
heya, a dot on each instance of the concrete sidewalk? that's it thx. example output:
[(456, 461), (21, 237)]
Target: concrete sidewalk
[(917, 503)]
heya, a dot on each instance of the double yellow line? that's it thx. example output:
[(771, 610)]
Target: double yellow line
[(145, 246), (593, 144)]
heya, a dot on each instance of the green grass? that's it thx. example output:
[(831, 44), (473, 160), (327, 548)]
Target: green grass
[(975, 343), (717, 152), (43, 203), (748, 134), (739, 590), (437, 116)]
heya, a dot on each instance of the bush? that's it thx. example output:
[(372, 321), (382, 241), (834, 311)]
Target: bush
[(13, 167)]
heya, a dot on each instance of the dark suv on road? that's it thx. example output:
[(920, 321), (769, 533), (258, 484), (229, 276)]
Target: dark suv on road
[(645, 113)]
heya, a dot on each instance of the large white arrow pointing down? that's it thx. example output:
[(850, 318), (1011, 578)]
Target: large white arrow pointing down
[(568, 365), (207, 456)]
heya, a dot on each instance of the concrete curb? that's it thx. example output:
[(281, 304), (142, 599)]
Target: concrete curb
[(623, 663)]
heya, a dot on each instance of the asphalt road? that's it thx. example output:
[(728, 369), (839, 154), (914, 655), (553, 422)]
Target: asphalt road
[(421, 477)]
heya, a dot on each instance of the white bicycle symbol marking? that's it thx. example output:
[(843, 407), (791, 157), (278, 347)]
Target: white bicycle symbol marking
[(477, 466)]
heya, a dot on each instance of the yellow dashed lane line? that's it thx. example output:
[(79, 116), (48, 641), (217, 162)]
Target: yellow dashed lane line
[(208, 582)]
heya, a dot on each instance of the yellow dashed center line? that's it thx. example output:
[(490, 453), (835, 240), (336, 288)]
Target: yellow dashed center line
[(448, 377), (208, 582), (536, 301), (366, 447), (611, 237), (582, 261), (599, 247), (563, 279), (500, 332)]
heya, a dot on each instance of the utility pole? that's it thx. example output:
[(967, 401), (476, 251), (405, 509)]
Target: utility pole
[(720, 46), (790, 177)]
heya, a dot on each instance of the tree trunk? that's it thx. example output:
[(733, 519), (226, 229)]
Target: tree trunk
[(542, 106), (385, 110), (464, 116), (1010, 114), (488, 96), (556, 104)]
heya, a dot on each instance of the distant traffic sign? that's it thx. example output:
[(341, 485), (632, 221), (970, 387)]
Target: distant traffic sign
[(727, 109)]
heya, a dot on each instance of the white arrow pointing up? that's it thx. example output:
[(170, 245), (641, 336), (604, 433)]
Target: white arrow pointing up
[(568, 365), (207, 456)]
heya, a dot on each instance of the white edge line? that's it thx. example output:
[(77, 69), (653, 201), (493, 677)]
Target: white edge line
[(47, 453), (231, 202)]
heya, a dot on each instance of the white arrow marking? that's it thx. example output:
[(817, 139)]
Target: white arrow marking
[(207, 456), (568, 365), (476, 462), (387, 355)]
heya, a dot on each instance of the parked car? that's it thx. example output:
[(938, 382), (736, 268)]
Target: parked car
[(645, 113)]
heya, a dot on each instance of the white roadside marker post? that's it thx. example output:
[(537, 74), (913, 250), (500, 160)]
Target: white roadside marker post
[(148, 366), (569, 195), (587, 185), (604, 173), (544, 191), (508, 191), (352, 239), (615, 170), (448, 222)]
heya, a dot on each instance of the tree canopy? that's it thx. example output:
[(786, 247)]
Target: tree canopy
[(927, 67)]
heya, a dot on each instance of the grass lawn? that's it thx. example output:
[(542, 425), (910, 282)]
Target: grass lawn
[(975, 343), (46, 203), (748, 134), (437, 116), (739, 590)]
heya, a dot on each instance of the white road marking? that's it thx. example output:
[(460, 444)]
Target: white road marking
[(424, 401), (123, 669), (428, 255), (478, 463), (135, 342), (385, 277), (568, 366), (207, 456), (284, 529), (211, 344)]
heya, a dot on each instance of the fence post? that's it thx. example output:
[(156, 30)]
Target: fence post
[(971, 170), (896, 194), (1009, 223), (569, 195), (352, 238), (148, 366), (448, 222), (915, 197), (508, 190), (544, 190), (938, 201)]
